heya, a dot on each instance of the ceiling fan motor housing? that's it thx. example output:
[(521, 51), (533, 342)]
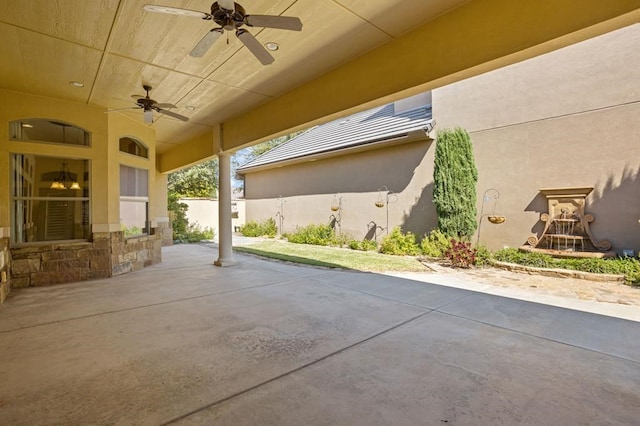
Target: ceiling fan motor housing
[(228, 19), (146, 102)]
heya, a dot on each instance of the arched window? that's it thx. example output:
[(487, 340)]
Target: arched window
[(48, 130), (133, 147)]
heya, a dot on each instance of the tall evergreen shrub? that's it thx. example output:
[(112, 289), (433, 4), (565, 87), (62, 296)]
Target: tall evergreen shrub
[(455, 177)]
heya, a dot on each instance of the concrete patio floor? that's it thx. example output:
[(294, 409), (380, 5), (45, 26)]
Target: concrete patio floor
[(269, 343)]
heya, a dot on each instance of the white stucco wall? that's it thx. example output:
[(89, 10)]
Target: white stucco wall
[(204, 211)]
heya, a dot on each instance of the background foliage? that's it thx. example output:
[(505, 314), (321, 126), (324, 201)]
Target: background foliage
[(200, 180)]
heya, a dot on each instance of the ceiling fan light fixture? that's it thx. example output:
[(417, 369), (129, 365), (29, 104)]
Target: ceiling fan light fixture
[(148, 116), (272, 46)]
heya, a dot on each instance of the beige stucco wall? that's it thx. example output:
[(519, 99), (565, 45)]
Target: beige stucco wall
[(92, 259), (309, 189), (103, 154), (121, 126), (15, 106), (568, 118)]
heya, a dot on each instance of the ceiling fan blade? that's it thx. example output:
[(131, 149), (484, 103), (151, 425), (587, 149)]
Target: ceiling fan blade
[(165, 105), (255, 47), (207, 41), (176, 11), (136, 97), (171, 114), (227, 4), (269, 21)]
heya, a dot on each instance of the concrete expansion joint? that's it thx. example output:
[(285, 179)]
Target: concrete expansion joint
[(387, 298), (295, 370), (535, 336)]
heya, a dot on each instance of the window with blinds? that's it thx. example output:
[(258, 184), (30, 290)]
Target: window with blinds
[(134, 201)]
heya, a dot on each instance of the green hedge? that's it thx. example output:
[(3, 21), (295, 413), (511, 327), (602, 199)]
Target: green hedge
[(627, 266)]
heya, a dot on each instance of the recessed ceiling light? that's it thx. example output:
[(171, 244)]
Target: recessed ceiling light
[(272, 46), (27, 125), (76, 84), (190, 108)]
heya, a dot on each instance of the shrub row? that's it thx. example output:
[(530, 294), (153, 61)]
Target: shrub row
[(627, 266), (437, 245), (319, 235), (265, 228), (434, 244), (193, 233)]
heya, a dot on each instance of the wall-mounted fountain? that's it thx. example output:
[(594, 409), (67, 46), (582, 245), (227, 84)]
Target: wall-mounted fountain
[(566, 230)]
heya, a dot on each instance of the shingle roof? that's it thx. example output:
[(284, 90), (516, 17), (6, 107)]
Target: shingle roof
[(367, 127)]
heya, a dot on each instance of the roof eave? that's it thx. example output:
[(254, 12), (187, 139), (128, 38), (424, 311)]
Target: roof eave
[(404, 138)]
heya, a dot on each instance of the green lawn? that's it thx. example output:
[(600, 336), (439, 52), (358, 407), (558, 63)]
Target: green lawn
[(332, 257)]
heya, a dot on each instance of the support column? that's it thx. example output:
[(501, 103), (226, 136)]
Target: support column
[(225, 251)]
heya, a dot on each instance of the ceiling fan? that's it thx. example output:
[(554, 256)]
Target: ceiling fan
[(149, 105), (232, 16)]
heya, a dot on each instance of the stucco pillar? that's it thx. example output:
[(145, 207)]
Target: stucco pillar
[(225, 252)]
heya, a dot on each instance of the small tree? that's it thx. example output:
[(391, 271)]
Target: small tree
[(177, 215), (455, 177), (200, 180)]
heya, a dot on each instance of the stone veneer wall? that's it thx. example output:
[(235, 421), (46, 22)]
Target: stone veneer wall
[(133, 254), (5, 264), (107, 255), (166, 233)]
